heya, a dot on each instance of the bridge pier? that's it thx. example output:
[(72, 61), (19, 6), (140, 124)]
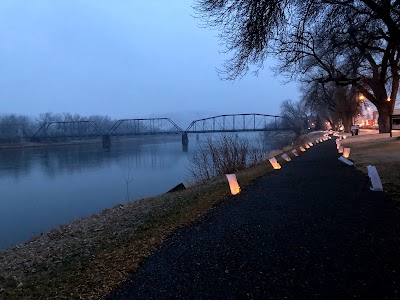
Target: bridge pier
[(106, 141), (185, 142)]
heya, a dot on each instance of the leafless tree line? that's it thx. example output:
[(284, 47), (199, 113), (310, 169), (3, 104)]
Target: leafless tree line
[(14, 128)]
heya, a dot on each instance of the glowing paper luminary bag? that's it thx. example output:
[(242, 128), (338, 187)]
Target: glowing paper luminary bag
[(294, 151), (286, 157), (307, 146), (302, 149), (274, 163), (233, 184), (340, 149), (346, 152), (310, 144)]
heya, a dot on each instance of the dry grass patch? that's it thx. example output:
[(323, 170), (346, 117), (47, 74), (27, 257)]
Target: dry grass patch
[(381, 151)]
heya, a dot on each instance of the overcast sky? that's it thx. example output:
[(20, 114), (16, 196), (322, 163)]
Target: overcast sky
[(123, 58)]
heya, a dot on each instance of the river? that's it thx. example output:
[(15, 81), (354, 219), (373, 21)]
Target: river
[(44, 187)]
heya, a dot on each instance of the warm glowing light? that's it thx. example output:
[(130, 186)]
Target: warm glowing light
[(302, 149), (307, 146), (388, 99), (340, 150), (233, 184), (274, 163), (361, 97), (310, 144), (346, 152), (286, 157)]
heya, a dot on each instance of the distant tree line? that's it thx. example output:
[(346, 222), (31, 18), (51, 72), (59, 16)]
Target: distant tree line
[(52, 127), (343, 51), (18, 128)]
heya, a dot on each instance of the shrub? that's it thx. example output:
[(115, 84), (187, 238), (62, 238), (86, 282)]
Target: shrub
[(225, 154)]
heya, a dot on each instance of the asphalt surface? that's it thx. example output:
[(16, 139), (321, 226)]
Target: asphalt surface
[(312, 229)]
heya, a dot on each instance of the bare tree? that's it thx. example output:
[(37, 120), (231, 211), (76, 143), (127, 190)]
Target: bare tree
[(353, 42), (332, 102), (296, 114)]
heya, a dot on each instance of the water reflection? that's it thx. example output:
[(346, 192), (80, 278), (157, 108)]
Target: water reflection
[(41, 188), (70, 159)]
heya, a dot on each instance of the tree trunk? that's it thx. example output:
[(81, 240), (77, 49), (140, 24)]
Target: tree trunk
[(384, 117), (347, 124)]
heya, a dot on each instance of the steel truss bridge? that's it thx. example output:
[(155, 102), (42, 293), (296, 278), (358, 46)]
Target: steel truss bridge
[(54, 131), (144, 127), (236, 123), (71, 129)]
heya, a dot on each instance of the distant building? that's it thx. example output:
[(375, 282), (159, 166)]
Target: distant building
[(368, 119)]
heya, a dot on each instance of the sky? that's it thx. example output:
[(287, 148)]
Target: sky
[(122, 58)]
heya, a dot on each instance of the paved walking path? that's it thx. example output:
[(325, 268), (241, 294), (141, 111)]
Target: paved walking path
[(310, 230)]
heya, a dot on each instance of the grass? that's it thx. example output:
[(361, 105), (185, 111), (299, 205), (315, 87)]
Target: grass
[(381, 151), (88, 258)]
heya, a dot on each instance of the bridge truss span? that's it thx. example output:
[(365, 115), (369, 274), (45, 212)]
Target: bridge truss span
[(236, 123), (153, 126), (68, 129)]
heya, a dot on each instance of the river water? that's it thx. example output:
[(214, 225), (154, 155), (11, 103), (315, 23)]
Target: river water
[(42, 188)]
